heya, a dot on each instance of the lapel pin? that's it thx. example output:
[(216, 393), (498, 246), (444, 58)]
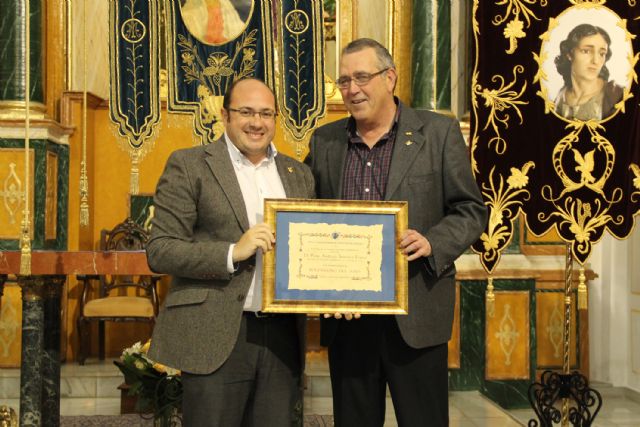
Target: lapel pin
[(408, 142), (290, 169)]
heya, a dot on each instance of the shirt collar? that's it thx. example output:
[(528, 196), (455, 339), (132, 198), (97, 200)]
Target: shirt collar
[(238, 158)]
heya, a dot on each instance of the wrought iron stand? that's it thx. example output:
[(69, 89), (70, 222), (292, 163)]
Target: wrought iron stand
[(565, 398)]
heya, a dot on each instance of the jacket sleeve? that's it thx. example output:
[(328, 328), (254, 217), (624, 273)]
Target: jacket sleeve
[(465, 214), (173, 247)]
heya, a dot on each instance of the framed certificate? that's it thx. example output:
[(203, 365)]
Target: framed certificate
[(335, 256)]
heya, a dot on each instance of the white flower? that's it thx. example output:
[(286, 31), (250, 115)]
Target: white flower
[(134, 349)]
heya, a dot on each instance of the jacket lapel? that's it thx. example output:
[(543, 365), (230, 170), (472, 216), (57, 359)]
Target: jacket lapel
[(409, 142), (290, 185), (220, 164), (336, 156)]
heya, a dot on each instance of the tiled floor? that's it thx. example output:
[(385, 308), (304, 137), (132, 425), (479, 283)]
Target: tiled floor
[(466, 409), (92, 390)]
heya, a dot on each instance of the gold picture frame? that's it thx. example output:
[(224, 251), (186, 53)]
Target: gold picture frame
[(331, 240)]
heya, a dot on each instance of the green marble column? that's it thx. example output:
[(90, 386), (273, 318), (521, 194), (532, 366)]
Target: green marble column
[(32, 341), (13, 53), (431, 53), (472, 314), (51, 356)]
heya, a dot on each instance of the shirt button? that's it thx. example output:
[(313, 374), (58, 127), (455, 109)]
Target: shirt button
[(366, 190), (240, 297), (369, 164)]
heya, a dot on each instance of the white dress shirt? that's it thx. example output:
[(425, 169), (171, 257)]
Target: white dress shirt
[(257, 182)]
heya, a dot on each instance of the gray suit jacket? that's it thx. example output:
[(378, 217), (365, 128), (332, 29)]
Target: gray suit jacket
[(199, 213), (430, 169)]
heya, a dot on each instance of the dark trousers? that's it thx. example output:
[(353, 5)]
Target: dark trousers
[(369, 353), (258, 385)]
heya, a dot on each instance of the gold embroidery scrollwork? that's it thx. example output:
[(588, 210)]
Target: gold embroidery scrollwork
[(635, 169), (541, 75), (300, 88), (134, 99), (584, 163), (503, 203), (133, 31), (214, 76), (583, 218), (514, 29), (499, 101), (296, 23)]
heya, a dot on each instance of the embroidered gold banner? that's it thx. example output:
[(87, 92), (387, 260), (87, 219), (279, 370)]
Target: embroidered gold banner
[(555, 124)]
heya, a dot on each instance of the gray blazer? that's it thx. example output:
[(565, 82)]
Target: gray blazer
[(199, 213), (430, 169)]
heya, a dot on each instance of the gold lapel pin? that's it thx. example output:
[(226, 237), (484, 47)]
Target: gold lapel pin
[(408, 142), (290, 169)]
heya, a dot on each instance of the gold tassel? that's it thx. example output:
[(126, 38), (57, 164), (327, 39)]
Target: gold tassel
[(134, 186), (25, 249), (583, 300), (490, 298), (84, 212), (299, 145)]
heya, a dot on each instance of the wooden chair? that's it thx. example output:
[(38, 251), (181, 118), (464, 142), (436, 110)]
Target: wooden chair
[(114, 301)]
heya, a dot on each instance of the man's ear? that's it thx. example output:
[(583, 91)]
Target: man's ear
[(225, 115), (392, 75)]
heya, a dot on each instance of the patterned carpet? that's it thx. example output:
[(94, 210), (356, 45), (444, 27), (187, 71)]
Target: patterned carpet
[(132, 420)]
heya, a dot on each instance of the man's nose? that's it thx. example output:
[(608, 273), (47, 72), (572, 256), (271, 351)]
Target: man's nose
[(256, 119), (353, 87)]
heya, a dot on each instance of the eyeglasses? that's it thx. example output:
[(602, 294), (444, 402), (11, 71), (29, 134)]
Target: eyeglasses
[(248, 113), (360, 79)]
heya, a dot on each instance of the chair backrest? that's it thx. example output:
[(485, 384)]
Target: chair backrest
[(126, 236)]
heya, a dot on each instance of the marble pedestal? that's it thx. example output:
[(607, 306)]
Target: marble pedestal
[(41, 294)]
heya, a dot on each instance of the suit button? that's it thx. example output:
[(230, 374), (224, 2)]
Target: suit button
[(240, 297)]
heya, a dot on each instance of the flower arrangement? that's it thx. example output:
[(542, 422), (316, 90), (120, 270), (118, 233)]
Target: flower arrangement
[(157, 387)]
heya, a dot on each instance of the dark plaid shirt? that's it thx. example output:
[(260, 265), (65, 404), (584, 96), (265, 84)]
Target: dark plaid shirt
[(366, 170)]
